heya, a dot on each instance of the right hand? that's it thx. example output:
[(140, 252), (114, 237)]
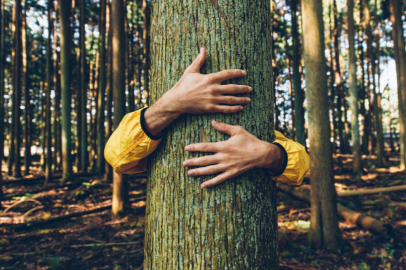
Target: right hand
[(197, 93)]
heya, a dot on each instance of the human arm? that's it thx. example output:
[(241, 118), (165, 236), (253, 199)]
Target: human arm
[(139, 133), (244, 152)]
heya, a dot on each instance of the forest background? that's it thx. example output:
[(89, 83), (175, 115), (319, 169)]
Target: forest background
[(57, 59)]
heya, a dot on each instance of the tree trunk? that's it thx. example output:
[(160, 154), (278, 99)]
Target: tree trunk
[(332, 92), (145, 38), (64, 13), (11, 92), (109, 91), (120, 190), (364, 132), (57, 109), (48, 127), (297, 82), (324, 231), (101, 102), (338, 81), (17, 90), (27, 110), (356, 147), (83, 91), (2, 122), (400, 58), (188, 227)]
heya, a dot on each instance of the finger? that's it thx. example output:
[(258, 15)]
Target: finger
[(198, 62), (206, 170), (228, 74), (227, 109), (225, 128), (234, 89), (203, 147), (232, 100), (217, 180), (201, 161)]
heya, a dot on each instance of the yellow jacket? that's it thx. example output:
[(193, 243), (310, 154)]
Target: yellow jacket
[(128, 148)]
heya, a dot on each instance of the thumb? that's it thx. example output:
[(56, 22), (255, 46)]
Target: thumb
[(225, 128), (198, 62)]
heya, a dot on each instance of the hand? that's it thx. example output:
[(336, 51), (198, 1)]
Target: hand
[(197, 93), (239, 154)]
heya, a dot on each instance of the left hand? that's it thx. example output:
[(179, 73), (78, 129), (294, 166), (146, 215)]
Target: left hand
[(239, 154)]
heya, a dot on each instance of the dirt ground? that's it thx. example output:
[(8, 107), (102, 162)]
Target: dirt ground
[(96, 241)]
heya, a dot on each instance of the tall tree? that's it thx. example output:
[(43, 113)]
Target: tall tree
[(145, 39), (356, 147), (17, 89), (324, 231), (187, 219), (48, 127), (27, 99), (101, 102), (2, 124), (64, 13), (83, 141), (109, 83), (400, 58), (120, 191), (297, 82), (364, 126)]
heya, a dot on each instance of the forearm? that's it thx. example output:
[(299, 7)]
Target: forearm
[(274, 158), (160, 115)]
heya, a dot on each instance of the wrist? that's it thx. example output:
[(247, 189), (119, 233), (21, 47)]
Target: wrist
[(273, 157), (169, 103)]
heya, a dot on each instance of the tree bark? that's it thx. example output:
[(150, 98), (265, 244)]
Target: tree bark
[(101, 102), (120, 192), (48, 127), (83, 142), (356, 147), (2, 124), (109, 91), (400, 58), (233, 225), (145, 38), (17, 90), (324, 231), (27, 102), (64, 13), (297, 82)]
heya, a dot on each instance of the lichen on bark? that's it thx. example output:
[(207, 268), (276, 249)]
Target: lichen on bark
[(233, 225)]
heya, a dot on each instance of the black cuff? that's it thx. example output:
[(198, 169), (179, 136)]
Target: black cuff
[(285, 162), (142, 120)]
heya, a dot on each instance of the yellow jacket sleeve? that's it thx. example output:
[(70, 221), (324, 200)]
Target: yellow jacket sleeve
[(298, 161), (130, 144)]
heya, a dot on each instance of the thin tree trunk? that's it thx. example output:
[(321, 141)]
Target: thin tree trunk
[(17, 90), (338, 80), (120, 191), (324, 231), (370, 73), (109, 90), (27, 99), (332, 92), (64, 13), (57, 109), (297, 82), (377, 97), (145, 38), (400, 58), (364, 132), (48, 132), (187, 227), (356, 147), (101, 101), (83, 91), (2, 122), (11, 91)]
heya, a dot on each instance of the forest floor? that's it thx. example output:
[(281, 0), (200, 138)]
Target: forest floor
[(40, 230)]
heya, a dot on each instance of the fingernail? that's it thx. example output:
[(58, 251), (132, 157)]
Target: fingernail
[(185, 163), (247, 99), (243, 72), (187, 148), (250, 88), (215, 123), (241, 107), (203, 185), (190, 173)]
